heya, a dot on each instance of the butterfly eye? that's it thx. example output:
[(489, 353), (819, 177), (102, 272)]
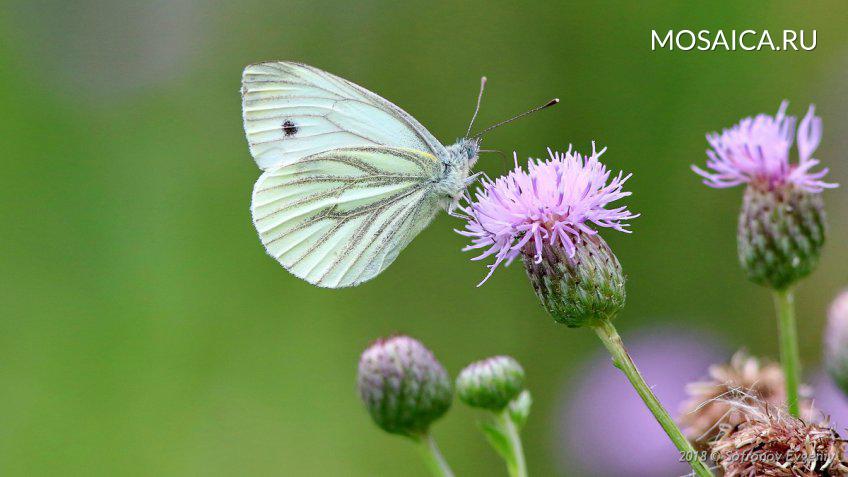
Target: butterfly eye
[(289, 129)]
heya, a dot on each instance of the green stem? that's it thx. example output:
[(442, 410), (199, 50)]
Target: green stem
[(784, 302), (518, 466), (608, 334), (433, 457)]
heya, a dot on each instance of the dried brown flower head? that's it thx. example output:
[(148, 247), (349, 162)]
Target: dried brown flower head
[(769, 442), (707, 407)]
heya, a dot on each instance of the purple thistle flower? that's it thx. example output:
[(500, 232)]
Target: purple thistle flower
[(554, 202), (757, 151)]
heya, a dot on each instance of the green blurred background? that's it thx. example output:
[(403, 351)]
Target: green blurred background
[(145, 332)]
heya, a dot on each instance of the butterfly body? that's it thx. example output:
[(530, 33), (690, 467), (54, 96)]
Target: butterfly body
[(459, 158)]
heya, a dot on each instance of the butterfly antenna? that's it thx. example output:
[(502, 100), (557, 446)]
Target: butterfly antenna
[(525, 113), (477, 109), (500, 153)]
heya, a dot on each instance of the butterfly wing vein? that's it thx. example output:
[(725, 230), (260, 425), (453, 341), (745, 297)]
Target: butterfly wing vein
[(340, 217)]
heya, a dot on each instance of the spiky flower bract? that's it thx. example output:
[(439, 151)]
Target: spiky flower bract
[(582, 290), (770, 442), (782, 222), (707, 409), (549, 216), (836, 341), (780, 235), (403, 386), (490, 383)]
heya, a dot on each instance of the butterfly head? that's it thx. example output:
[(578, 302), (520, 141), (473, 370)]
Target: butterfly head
[(465, 152)]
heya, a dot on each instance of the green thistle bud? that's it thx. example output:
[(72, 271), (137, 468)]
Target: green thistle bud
[(781, 232), (582, 290), (403, 386), (490, 383), (519, 408)]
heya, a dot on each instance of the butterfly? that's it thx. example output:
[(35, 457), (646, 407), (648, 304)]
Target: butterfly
[(349, 179)]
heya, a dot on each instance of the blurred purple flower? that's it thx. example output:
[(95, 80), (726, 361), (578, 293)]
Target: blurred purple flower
[(605, 425), (830, 401), (554, 201), (836, 340), (757, 151)]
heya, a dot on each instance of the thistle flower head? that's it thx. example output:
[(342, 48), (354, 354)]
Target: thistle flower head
[(771, 442), (490, 383), (836, 341), (403, 386), (782, 223), (555, 202), (756, 151), (707, 409)]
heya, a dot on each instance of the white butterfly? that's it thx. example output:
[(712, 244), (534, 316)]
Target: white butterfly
[(349, 178)]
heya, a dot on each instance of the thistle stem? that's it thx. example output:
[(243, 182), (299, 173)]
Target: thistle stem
[(784, 303), (433, 457), (621, 359), (517, 466)]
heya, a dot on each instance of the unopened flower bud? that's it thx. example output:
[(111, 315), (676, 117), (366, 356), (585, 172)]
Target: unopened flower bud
[(781, 233), (580, 290), (836, 341), (490, 383), (403, 386), (519, 408)]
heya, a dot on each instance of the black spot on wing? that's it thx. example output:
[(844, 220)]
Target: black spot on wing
[(289, 128)]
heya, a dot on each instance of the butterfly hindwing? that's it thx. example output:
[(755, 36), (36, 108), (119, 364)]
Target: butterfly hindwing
[(340, 217), (291, 111)]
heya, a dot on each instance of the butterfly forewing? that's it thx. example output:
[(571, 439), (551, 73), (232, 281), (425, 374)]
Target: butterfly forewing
[(293, 110), (340, 217)]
